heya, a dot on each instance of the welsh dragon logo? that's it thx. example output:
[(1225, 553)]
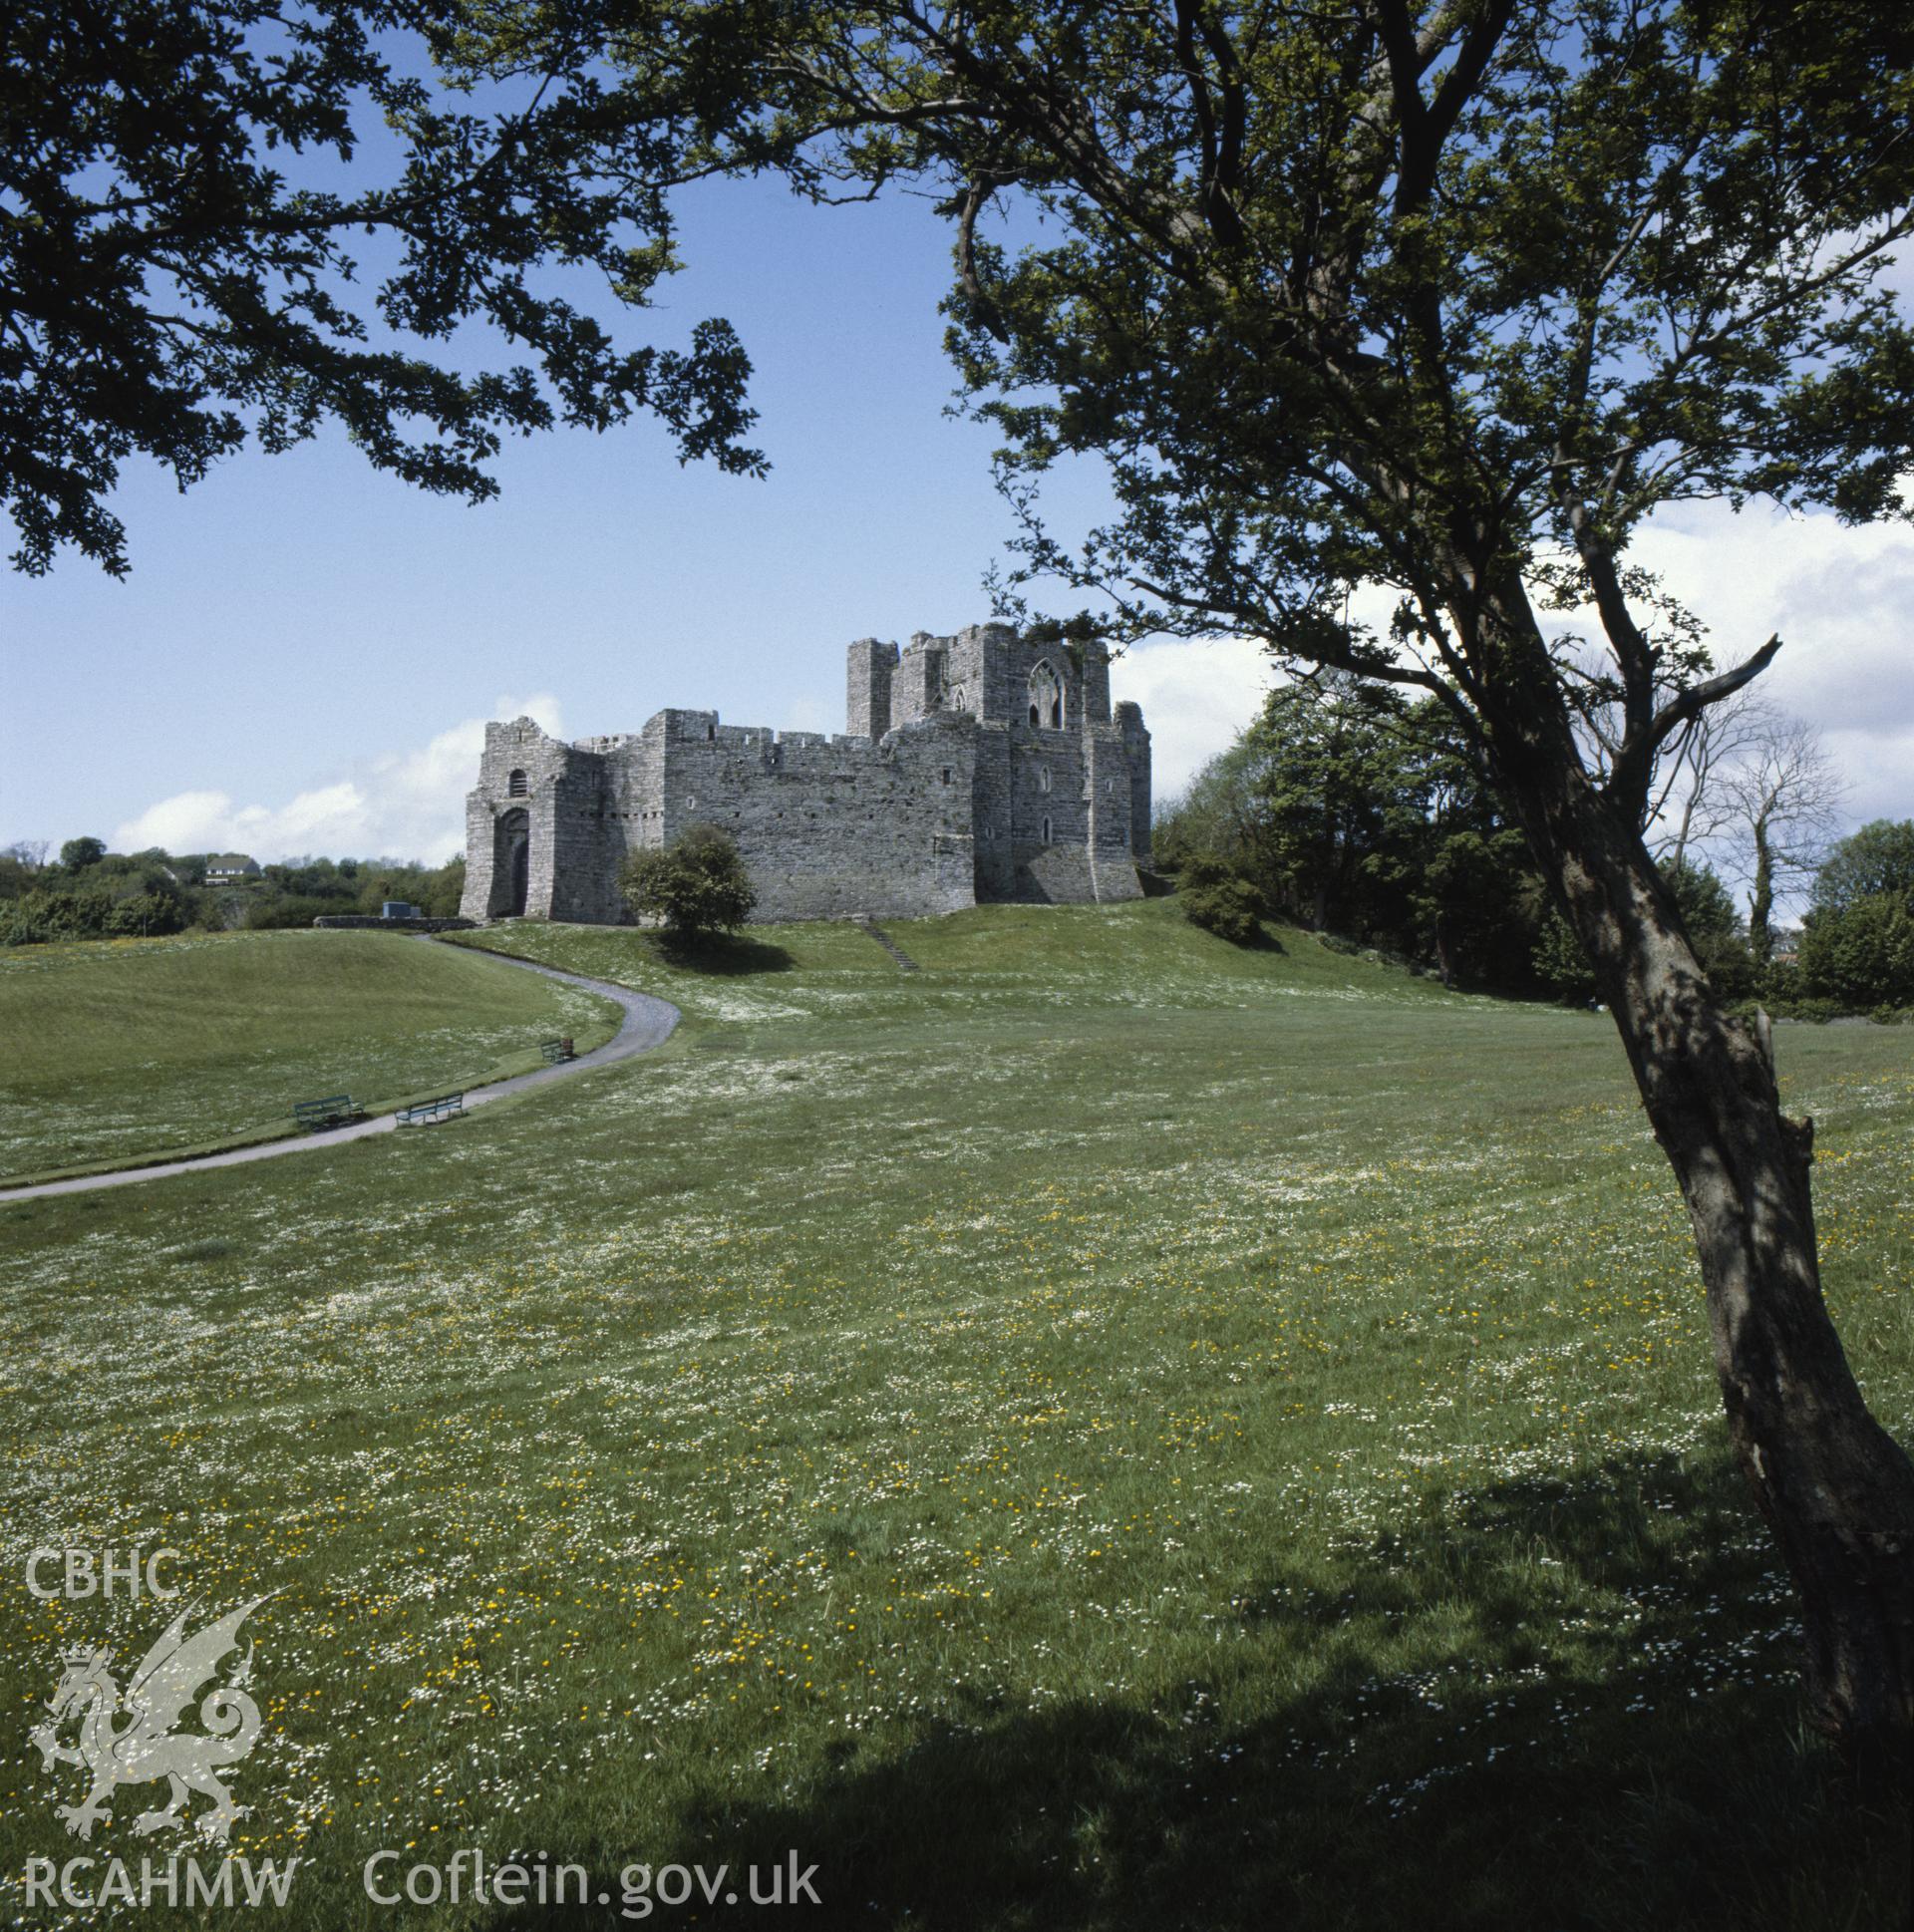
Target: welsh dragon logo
[(146, 1745)]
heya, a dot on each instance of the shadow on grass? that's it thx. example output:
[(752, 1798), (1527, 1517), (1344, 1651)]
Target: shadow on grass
[(722, 956), (1258, 939), (1645, 1768)]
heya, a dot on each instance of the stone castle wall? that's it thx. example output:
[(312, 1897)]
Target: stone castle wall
[(829, 826), (980, 767)]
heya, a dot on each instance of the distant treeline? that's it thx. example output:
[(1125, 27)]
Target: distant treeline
[(1348, 810), (89, 893)]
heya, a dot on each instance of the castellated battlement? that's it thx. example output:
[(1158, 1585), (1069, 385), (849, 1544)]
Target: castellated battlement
[(977, 767)]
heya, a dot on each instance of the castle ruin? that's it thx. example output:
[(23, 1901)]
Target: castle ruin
[(977, 768)]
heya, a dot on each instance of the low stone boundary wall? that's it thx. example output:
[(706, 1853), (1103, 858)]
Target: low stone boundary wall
[(370, 922)]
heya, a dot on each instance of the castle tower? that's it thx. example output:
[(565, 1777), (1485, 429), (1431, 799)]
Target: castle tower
[(917, 686), (867, 682), (1130, 720), (1094, 662)]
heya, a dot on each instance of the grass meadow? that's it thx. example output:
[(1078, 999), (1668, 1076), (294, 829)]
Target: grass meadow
[(1107, 1431), (120, 1050)]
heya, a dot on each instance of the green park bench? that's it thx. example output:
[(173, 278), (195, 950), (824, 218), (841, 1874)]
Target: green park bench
[(556, 1050), (426, 1112), (333, 1110)]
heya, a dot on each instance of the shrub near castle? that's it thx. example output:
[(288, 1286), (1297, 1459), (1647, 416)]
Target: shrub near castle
[(696, 885), (1215, 896)]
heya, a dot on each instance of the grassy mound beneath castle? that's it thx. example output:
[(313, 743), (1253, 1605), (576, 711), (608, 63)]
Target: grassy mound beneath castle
[(1105, 1431), (970, 964), (122, 1051)]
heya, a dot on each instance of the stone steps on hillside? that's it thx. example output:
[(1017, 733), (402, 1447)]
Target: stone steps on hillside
[(872, 929)]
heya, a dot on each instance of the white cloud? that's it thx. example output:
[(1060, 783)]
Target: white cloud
[(1195, 696), (1843, 601), (395, 804)]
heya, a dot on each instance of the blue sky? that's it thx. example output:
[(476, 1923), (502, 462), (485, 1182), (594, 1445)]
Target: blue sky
[(305, 652), (294, 615)]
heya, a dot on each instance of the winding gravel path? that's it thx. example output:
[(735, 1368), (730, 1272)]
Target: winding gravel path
[(648, 1024)]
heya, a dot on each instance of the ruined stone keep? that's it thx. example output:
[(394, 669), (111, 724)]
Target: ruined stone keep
[(977, 768)]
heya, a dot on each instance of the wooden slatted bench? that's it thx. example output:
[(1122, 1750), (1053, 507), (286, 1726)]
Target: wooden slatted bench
[(426, 1112), (556, 1050), (333, 1110)]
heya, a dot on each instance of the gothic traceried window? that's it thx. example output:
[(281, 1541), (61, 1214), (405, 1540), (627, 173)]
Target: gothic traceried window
[(1046, 696)]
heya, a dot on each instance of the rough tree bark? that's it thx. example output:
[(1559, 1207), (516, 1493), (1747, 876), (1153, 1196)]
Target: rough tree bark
[(1835, 1488), (1761, 901)]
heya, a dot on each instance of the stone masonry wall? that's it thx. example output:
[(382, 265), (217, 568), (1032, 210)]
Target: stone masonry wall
[(830, 826), (1050, 816), (1107, 786), (917, 684), (990, 814), (868, 672), (541, 762), (1130, 720)]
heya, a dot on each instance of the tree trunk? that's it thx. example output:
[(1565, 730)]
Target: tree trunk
[(1761, 936), (1836, 1489)]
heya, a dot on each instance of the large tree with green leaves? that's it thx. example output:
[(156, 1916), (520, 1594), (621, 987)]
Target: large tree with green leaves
[(1858, 943), (1445, 295), (1353, 809), (1877, 859), (1341, 800), (234, 218)]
